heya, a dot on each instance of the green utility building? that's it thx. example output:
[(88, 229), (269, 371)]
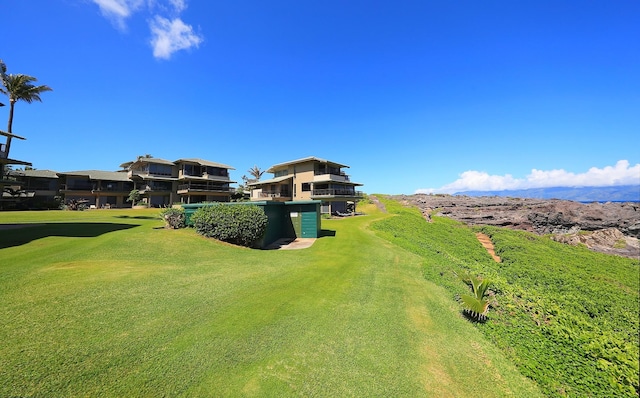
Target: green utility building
[(294, 219)]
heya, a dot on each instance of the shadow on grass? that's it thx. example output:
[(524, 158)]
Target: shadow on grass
[(140, 217), (22, 234), (327, 232)]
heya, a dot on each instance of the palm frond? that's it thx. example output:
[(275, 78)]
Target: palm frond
[(20, 87)]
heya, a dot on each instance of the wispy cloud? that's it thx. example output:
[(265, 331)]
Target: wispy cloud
[(169, 33), (169, 36), (619, 174), (117, 11)]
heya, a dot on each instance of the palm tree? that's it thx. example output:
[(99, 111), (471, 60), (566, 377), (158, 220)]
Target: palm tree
[(18, 87), (255, 173)]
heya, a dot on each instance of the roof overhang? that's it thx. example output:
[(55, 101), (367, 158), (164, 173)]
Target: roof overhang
[(202, 162), (271, 181), (11, 135), (14, 161), (152, 178), (304, 160)]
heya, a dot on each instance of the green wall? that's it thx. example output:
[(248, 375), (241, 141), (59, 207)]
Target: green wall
[(295, 219)]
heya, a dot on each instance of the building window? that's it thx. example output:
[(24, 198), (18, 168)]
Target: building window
[(281, 173), (306, 187)]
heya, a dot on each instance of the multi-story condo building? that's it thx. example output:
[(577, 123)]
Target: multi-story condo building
[(310, 178), (39, 188), (100, 189), (162, 182)]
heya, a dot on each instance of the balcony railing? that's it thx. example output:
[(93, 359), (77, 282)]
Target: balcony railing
[(202, 187), (76, 187), (275, 195), (341, 176), (337, 192)]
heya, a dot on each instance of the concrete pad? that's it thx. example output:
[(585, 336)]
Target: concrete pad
[(291, 244)]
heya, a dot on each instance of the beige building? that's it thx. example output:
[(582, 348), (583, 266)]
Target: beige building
[(162, 182), (99, 189), (310, 178)]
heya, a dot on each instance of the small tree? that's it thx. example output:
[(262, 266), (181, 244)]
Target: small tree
[(134, 197)]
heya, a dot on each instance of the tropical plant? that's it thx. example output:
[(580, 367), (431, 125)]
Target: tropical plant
[(173, 217), (256, 173), (18, 87), (477, 304), (134, 197)]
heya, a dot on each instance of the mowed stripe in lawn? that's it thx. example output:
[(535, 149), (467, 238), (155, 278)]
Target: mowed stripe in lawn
[(147, 312)]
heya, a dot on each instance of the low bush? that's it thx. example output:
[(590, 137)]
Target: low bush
[(173, 218), (237, 224)]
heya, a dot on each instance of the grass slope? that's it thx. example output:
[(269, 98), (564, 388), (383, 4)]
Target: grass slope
[(567, 317), (107, 303)]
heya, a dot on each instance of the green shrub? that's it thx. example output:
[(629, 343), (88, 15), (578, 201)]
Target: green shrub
[(237, 224), (173, 218)]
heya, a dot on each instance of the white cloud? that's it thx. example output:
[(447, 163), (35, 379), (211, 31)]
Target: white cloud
[(117, 11), (179, 5), (620, 174), (169, 36), (168, 31)]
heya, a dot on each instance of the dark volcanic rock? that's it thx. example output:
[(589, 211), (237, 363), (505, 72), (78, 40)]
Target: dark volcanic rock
[(535, 215)]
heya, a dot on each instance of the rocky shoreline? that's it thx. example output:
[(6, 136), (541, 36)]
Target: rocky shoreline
[(612, 228)]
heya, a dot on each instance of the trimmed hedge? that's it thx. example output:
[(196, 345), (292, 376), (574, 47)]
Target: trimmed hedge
[(237, 224)]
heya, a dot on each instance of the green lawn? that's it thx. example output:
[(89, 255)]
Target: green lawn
[(108, 303), (565, 315)]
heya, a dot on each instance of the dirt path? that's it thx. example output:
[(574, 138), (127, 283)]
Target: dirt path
[(487, 244), (377, 202)]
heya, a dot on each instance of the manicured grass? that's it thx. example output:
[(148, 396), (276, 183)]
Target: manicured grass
[(108, 303), (566, 316)]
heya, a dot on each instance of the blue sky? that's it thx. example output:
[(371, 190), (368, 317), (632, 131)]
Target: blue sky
[(415, 96)]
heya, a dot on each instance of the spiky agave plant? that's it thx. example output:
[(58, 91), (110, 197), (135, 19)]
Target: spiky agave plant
[(476, 305)]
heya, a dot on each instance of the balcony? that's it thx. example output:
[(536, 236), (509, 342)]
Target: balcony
[(202, 187), (77, 187), (325, 177), (332, 193), (272, 196)]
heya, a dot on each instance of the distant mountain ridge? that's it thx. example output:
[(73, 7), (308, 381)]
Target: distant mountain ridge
[(620, 193)]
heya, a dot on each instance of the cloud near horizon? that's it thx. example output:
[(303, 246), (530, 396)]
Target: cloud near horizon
[(168, 32), (620, 174)]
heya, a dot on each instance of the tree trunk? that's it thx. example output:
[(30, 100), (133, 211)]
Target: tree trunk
[(12, 103)]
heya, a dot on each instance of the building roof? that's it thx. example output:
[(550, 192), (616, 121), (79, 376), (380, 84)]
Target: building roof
[(14, 161), (204, 163), (99, 175), (271, 181), (304, 160), (142, 159), (36, 173)]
